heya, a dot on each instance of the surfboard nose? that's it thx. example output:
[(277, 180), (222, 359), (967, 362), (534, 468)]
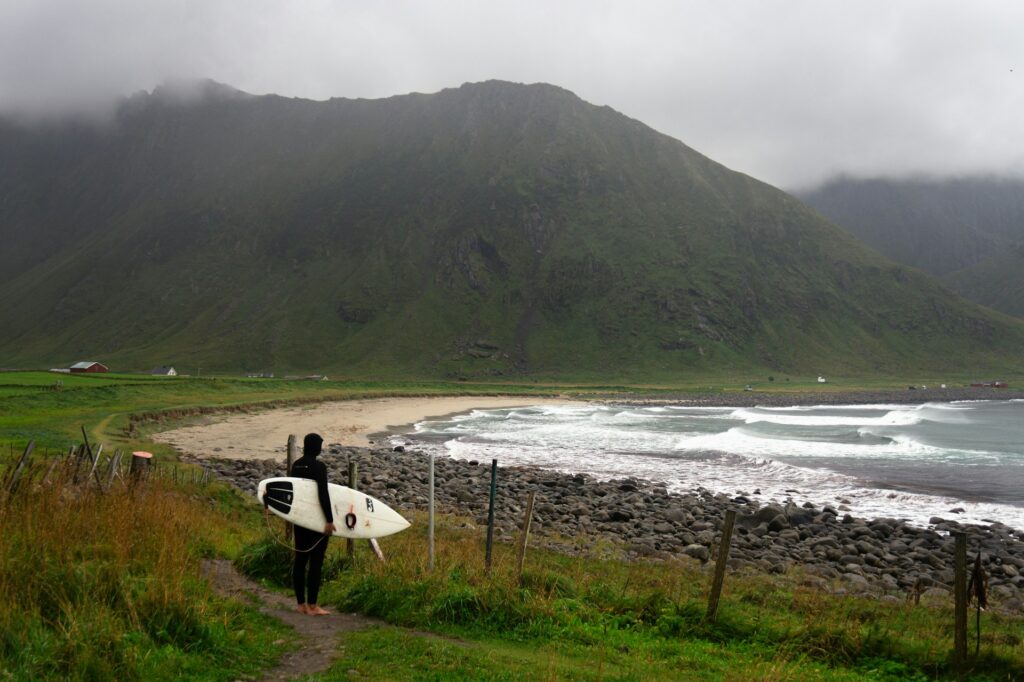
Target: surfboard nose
[(396, 521)]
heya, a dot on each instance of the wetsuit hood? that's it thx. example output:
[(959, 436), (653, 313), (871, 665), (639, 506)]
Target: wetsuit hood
[(312, 444)]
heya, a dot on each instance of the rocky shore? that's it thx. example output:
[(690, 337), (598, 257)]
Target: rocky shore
[(637, 518)]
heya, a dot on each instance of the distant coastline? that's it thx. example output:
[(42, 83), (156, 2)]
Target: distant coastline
[(263, 434), (755, 398)]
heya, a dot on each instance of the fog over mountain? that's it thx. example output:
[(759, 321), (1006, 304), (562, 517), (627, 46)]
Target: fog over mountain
[(968, 231), (790, 93)]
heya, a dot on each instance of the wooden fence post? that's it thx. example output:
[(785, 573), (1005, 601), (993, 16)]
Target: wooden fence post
[(86, 451), (525, 536), (79, 456), (93, 471), (53, 465), (12, 482), (69, 460), (723, 557), (490, 516), (977, 589), (289, 460), (430, 515), (140, 465), (960, 597), (85, 438), (115, 463), (353, 482), (290, 457)]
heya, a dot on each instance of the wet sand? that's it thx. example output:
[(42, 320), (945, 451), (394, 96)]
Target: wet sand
[(264, 435)]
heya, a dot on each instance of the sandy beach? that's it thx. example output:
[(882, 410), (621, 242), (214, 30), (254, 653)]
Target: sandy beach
[(264, 435)]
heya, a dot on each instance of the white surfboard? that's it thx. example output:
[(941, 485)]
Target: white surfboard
[(356, 515)]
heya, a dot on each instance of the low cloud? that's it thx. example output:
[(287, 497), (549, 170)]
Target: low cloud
[(789, 92)]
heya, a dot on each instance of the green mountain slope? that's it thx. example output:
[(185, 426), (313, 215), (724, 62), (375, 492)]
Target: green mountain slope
[(997, 282), (967, 231), (492, 229)]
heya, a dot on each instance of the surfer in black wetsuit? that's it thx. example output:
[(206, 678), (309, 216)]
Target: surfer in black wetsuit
[(310, 546)]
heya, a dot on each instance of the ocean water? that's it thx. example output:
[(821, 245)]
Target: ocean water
[(903, 461)]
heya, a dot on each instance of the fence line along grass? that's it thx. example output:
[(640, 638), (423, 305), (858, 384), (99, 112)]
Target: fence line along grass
[(107, 585), (589, 608)]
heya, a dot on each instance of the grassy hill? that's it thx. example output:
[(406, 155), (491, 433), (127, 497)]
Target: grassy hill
[(490, 230), (967, 231), (997, 281)]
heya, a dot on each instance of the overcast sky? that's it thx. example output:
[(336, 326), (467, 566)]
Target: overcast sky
[(788, 91)]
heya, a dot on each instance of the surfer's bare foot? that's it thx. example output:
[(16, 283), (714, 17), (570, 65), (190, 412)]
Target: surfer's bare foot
[(303, 609), (315, 610)]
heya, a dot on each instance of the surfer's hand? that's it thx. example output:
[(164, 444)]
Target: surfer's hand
[(329, 529)]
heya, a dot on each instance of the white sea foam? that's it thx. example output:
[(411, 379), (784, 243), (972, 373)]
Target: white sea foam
[(817, 408), (890, 415), (723, 450)]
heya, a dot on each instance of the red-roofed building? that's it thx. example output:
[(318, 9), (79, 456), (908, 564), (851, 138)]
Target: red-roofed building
[(88, 367)]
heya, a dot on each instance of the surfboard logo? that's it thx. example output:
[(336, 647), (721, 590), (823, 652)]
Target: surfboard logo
[(279, 495)]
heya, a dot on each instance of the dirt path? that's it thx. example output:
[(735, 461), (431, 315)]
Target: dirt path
[(320, 634)]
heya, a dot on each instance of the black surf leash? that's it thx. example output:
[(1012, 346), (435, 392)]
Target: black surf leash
[(266, 515)]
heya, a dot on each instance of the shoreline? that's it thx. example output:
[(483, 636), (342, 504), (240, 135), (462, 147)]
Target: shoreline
[(358, 423), (385, 422), (361, 423), (833, 549)]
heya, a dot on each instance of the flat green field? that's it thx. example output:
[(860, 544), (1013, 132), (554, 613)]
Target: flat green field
[(51, 408)]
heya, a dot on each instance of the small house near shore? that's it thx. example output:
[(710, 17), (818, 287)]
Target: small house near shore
[(89, 367), (164, 371)]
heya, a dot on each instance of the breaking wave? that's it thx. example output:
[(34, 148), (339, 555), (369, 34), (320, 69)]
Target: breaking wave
[(884, 460)]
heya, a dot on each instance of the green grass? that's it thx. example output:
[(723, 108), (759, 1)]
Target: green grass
[(397, 654), (602, 618), (98, 586), (31, 409), (113, 591)]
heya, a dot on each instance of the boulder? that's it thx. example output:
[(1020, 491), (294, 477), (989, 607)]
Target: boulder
[(697, 552)]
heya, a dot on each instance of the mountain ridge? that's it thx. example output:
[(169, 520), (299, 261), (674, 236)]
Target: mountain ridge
[(493, 229)]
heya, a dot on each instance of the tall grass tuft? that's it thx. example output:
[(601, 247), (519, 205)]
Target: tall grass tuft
[(270, 560), (103, 585)]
